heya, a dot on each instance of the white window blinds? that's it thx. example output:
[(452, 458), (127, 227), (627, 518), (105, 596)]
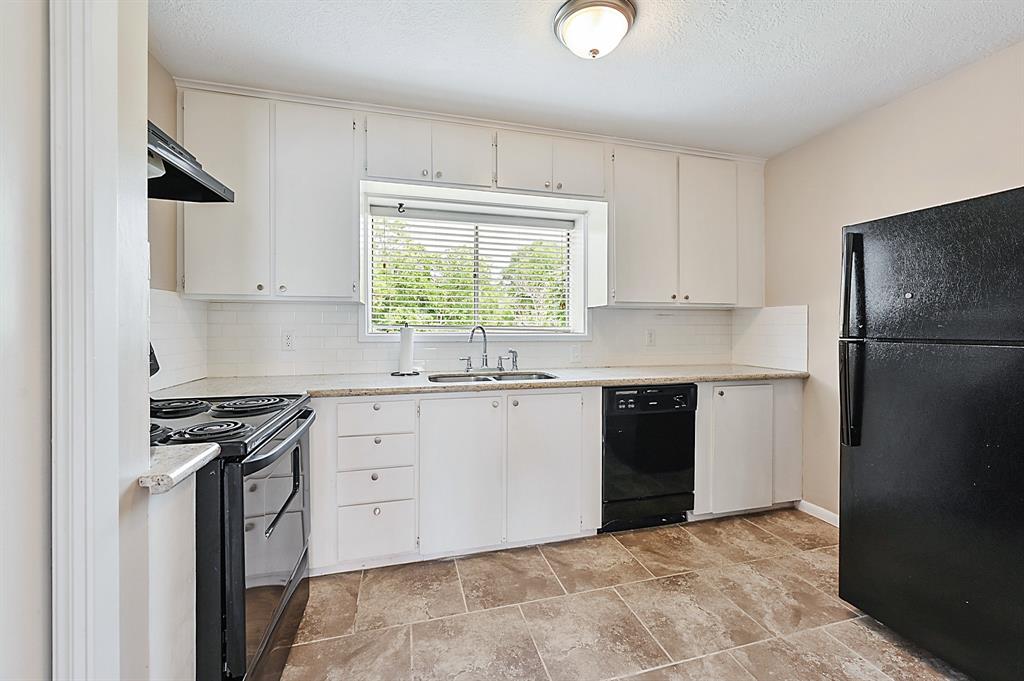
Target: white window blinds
[(450, 270)]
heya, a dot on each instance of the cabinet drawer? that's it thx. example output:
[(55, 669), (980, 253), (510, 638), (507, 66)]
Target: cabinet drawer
[(376, 451), (381, 484), (376, 418), (376, 530)]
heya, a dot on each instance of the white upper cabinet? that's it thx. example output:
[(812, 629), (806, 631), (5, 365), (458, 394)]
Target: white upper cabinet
[(646, 223), (707, 230), (398, 147), (741, 448), (315, 220), (227, 245), (524, 161), (544, 464), (550, 164), (407, 148), (578, 167), (462, 154)]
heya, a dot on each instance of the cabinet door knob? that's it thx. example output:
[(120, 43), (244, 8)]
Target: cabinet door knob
[(547, 184), (376, 440), (515, 403), (426, 172), (686, 297), (558, 186), (673, 296), (494, 404), (376, 510), (374, 476), (253, 487), (282, 288), (376, 407), (721, 393), (437, 174), (259, 287)]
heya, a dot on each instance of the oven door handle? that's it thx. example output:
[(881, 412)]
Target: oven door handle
[(255, 463), (296, 483)]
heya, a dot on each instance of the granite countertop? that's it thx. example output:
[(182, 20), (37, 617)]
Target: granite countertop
[(171, 464), (349, 385)]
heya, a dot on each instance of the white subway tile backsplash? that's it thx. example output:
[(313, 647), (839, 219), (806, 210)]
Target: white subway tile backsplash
[(178, 331), (771, 336)]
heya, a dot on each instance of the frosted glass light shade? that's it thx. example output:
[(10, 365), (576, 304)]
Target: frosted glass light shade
[(593, 28)]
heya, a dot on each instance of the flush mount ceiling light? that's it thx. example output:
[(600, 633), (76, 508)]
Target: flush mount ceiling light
[(593, 28)]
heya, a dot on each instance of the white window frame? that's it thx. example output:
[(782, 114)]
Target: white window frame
[(583, 213)]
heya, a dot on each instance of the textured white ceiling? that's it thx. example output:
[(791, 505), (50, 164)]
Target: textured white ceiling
[(753, 77)]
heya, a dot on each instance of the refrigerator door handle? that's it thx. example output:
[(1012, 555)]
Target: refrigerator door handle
[(851, 391), (853, 286)]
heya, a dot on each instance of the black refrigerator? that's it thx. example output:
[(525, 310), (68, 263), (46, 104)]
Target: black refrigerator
[(931, 364)]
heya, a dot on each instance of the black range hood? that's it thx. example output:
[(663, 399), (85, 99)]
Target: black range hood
[(176, 175)]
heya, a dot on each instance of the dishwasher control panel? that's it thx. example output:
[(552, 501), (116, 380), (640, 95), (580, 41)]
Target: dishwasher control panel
[(664, 398)]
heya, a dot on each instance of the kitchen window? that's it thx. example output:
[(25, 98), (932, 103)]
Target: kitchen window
[(445, 270)]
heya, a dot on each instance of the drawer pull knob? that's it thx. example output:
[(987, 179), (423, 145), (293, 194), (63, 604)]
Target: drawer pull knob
[(721, 393), (515, 403), (374, 476), (376, 440), (376, 510), (376, 407), (494, 404), (253, 487)]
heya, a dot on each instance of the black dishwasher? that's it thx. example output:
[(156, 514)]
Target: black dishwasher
[(648, 455)]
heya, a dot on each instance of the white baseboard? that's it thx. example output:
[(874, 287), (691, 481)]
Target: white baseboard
[(818, 512)]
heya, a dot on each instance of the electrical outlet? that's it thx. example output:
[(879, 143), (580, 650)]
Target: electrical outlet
[(649, 340), (288, 340), (574, 354)]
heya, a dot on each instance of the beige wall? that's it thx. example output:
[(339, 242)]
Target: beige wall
[(25, 341), (163, 240), (959, 137)]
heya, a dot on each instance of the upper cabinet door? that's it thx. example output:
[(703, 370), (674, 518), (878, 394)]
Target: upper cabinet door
[(314, 207), (646, 226), (578, 167), (463, 154), (707, 230), (524, 161), (227, 245), (398, 147)]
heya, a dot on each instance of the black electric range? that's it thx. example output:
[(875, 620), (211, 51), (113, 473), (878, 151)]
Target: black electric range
[(252, 527)]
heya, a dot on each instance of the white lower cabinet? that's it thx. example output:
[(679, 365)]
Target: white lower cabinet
[(741, 447), (545, 446), (372, 530), (462, 477)]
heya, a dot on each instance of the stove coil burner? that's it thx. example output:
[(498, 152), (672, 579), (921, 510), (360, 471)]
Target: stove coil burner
[(250, 406), (157, 432), (177, 409), (214, 431)]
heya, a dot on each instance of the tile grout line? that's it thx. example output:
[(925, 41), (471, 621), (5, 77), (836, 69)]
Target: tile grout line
[(529, 632), (638, 562), (642, 624), (462, 588), (565, 592), (740, 664)]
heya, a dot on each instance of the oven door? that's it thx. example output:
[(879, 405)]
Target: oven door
[(267, 516)]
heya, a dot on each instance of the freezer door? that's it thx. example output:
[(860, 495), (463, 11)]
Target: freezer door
[(932, 501), (954, 272)]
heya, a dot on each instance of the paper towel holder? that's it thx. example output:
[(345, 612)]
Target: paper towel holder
[(405, 373)]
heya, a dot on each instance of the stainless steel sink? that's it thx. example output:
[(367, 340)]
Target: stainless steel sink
[(459, 378), (491, 376)]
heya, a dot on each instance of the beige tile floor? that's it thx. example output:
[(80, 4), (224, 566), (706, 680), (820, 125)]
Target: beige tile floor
[(734, 599)]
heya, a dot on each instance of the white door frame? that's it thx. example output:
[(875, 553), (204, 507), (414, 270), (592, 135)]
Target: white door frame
[(84, 279)]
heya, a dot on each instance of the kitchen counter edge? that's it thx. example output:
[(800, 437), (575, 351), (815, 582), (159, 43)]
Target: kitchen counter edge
[(170, 465), (365, 385)]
